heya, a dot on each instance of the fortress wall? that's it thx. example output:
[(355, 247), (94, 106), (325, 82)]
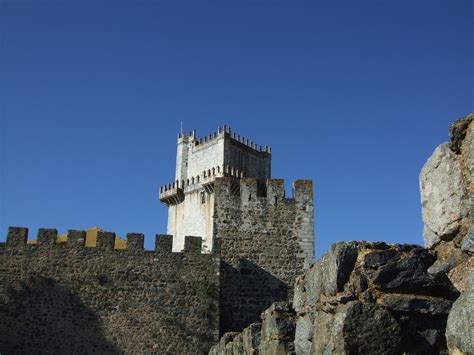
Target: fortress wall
[(247, 159), (193, 216), (263, 245), (68, 298), (204, 156)]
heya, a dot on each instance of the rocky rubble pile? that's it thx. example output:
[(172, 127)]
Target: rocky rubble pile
[(372, 298), (360, 298), (275, 335)]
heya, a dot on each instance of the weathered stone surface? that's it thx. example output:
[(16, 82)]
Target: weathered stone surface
[(374, 299), (442, 266), (353, 321), (366, 329), (67, 298), (460, 329), (447, 191), (274, 336), (333, 270), (443, 196), (457, 133), (415, 303), (303, 335), (467, 244), (260, 237), (410, 274), (251, 338)]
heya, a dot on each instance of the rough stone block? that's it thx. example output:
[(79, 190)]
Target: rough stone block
[(105, 240), (76, 238), (17, 236), (135, 241), (47, 236), (332, 271), (460, 329), (163, 243), (193, 244)]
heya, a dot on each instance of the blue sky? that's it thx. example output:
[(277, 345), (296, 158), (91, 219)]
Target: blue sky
[(352, 94)]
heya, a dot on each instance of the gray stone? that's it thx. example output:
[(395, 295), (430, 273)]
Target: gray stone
[(379, 258), (333, 270), (410, 275), (460, 329), (442, 266), (430, 238), (64, 298), (251, 337), (303, 335), (361, 328), (457, 133), (416, 304), (443, 196), (467, 244)]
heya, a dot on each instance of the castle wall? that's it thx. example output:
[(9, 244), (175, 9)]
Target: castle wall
[(193, 216), (263, 245), (252, 162), (205, 156), (67, 298)]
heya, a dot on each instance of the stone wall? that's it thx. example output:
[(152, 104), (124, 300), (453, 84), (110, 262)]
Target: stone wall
[(265, 240), (246, 158), (67, 298), (193, 216)]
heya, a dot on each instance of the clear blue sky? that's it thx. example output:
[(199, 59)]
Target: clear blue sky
[(352, 94)]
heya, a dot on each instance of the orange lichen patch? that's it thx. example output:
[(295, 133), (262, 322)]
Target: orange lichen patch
[(307, 183), (91, 239)]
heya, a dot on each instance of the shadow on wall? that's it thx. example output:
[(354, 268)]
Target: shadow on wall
[(43, 316), (246, 291)]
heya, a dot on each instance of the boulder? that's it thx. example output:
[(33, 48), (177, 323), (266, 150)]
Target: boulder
[(460, 326), (333, 270), (443, 196)]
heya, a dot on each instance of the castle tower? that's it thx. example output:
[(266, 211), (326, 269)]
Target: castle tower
[(199, 161)]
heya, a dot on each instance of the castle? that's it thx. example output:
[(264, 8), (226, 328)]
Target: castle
[(199, 162), (235, 245)]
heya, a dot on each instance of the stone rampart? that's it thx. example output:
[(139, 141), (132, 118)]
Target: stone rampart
[(265, 241), (68, 298)]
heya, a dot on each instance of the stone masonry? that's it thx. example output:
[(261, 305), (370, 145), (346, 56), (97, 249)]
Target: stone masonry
[(67, 298), (265, 240), (223, 192)]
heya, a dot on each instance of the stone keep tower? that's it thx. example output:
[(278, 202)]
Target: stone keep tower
[(199, 161)]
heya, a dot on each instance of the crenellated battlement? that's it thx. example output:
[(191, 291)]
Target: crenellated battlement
[(63, 295), (269, 191), (17, 238), (222, 132), (206, 176)]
